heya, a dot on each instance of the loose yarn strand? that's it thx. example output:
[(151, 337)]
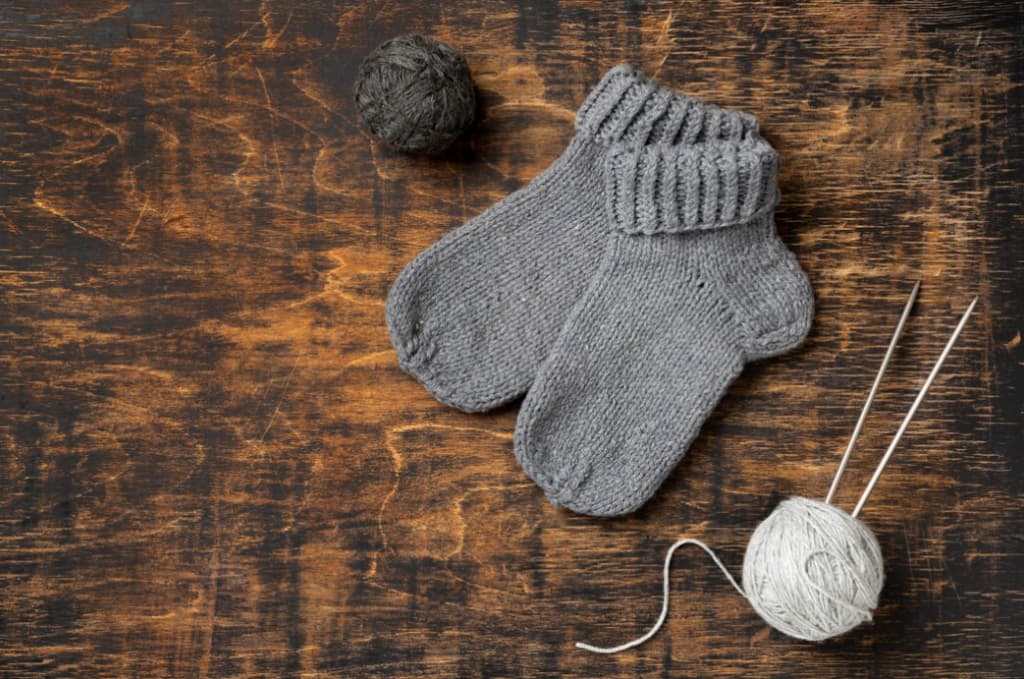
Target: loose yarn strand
[(666, 591)]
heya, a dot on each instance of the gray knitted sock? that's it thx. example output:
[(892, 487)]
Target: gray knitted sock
[(473, 316), (693, 282)]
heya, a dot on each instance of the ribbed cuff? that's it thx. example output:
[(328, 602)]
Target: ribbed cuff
[(672, 189), (627, 107)]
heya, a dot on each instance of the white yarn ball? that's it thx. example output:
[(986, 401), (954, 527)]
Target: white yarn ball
[(812, 571)]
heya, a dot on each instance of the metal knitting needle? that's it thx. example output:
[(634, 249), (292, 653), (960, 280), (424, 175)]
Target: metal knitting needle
[(913, 408), (874, 390)]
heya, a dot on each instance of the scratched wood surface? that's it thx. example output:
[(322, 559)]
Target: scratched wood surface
[(211, 464)]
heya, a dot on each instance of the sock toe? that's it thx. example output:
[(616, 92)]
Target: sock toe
[(615, 486), (404, 323), (600, 504), (434, 359)]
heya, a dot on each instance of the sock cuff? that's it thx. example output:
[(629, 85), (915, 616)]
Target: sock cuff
[(628, 107), (673, 189)]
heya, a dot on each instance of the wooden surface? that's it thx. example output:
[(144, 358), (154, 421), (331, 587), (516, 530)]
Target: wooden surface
[(211, 464)]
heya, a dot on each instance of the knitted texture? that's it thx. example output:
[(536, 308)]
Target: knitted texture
[(686, 292), (415, 93), (474, 315), (671, 189), (627, 107)]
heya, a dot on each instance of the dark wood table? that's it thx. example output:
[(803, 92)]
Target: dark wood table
[(211, 464)]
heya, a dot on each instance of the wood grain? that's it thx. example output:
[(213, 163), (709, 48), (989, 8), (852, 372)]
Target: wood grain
[(211, 464)]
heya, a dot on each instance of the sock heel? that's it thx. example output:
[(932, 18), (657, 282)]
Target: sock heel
[(778, 308)]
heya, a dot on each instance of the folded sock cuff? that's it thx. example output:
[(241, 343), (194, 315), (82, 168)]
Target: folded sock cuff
[(672, 189), (627, 107)]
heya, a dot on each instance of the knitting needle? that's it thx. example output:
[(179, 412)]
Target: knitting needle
[(913, 408), (874, 390)]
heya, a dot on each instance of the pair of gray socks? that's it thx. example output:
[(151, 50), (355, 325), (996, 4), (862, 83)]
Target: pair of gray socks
[(622, 291)]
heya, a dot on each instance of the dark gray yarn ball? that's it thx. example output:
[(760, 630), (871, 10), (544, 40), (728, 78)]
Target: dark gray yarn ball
[(415, 93)]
